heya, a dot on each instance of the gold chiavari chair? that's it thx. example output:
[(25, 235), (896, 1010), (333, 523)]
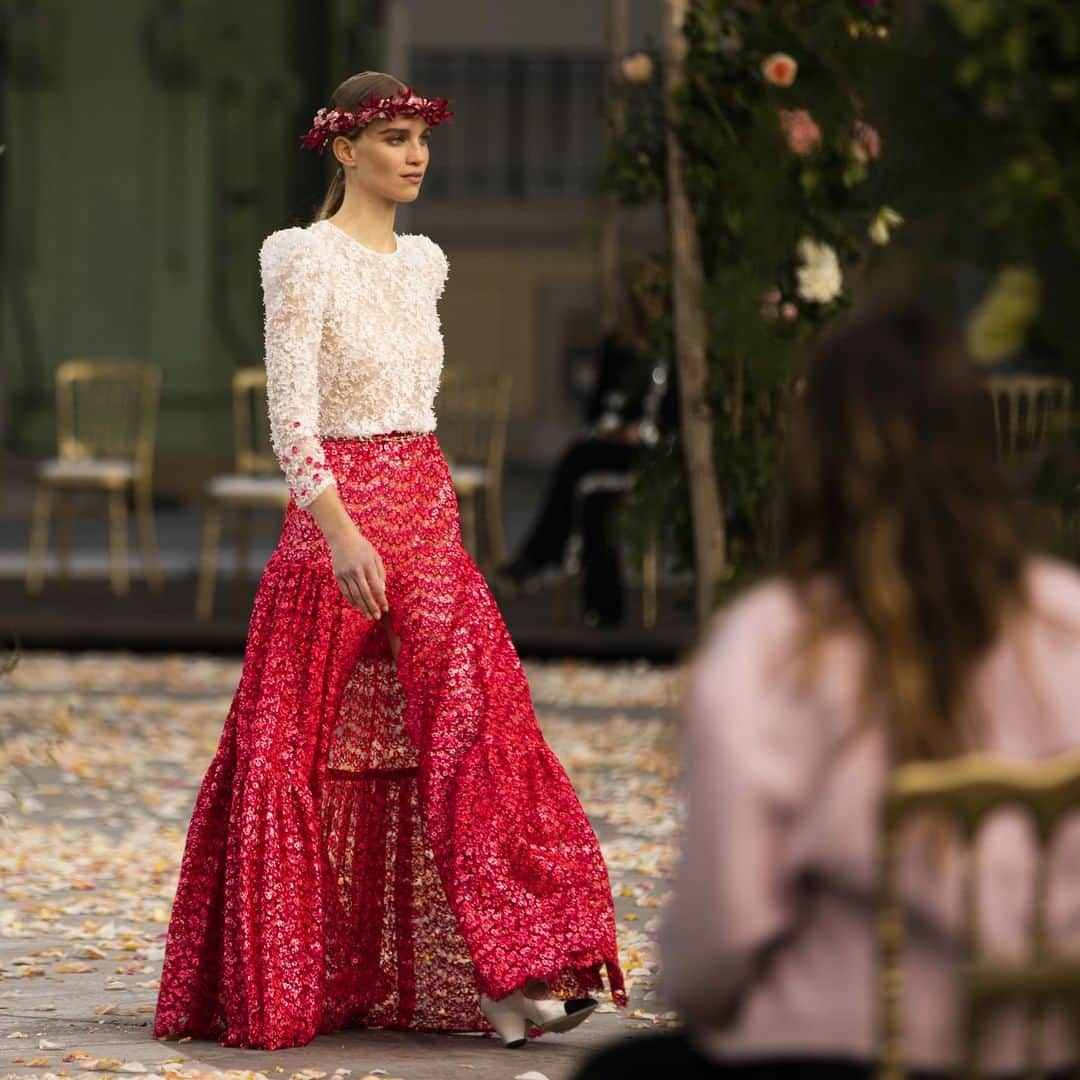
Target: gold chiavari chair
[(474, 415), (106, 412), (256, 484), (1028, 409), (966, 791)]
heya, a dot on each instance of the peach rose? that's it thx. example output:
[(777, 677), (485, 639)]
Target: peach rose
[(803, 134), (637, 68), (779, 69)]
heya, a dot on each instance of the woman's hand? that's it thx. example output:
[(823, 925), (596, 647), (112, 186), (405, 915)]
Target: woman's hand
[(358, 568), (360, 573)]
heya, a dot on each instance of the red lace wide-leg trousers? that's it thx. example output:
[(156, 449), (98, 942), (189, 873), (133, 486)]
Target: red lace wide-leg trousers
[(378, 842)]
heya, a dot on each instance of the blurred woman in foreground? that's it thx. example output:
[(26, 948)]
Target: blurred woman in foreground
[(907, 622)]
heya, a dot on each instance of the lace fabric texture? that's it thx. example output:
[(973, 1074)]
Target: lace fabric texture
[(353, 345), (376, 842)]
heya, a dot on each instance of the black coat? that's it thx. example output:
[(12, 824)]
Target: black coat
[(624, 377)]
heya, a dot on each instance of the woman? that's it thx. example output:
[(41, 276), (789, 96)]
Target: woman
[(383, 836), (633, 402), (907, 622)]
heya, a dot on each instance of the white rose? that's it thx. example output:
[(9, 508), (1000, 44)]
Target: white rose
[(819, 277)]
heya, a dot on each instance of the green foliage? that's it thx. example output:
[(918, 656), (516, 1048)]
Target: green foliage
[(767, 167), (984, 96)]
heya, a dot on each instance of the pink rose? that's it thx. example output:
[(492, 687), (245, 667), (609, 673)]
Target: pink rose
[(803, 134), (779, 69), (865, 142), (789, 312)]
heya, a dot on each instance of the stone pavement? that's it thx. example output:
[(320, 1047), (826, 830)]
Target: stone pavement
[(100, 758)]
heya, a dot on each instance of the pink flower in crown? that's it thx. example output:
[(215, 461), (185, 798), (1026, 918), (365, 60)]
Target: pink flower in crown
[(803, 134), (865, 142)]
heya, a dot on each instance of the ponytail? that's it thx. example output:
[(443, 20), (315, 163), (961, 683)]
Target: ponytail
[(335, 194)]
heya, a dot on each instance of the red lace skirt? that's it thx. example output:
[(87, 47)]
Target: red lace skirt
[(375, 842)]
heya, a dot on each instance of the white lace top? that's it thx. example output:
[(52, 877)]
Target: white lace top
[(353, 345)]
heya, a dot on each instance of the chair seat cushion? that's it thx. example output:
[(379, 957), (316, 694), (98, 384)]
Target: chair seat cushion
[(603, 480), (87, 470), (469, 477), (271, 490)]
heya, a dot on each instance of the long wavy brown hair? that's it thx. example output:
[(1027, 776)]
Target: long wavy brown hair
[(349, 96), (893, 492)]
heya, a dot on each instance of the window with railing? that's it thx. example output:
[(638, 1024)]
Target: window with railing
[(526, 125)]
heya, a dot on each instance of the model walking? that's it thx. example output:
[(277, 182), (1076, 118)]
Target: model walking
[(383, 837)]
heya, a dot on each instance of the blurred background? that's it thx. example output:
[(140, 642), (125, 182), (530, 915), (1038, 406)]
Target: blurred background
[(150, 146)]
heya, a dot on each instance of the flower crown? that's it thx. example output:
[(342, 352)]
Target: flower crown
[(331, 122)]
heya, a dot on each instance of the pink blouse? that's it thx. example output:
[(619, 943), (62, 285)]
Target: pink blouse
[(768, 945)]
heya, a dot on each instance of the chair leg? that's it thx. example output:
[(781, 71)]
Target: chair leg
[(567, 599), (648, 581), (39, 541), (64, 518), (496, 534), (467, 509), (118, 540), (204, 597), (566, 607), (243, 543), (144, 516)]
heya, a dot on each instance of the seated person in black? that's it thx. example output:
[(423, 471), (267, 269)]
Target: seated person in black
[(633, 401)]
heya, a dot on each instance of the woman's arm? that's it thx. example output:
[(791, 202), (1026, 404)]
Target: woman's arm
[(358, 567), (294, 301)]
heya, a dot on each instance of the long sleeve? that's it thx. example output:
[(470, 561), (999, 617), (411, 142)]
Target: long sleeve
[(748, 761), (294, 299)]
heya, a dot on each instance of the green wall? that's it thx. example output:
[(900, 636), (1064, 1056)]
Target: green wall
[(150, 147)]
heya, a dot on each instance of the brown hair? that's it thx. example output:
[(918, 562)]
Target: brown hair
[(893, 491), (349, 95)]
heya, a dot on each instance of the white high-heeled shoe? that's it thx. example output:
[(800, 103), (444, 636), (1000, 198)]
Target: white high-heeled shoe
[(554, 1014), (507, 1017), (510, 1016)]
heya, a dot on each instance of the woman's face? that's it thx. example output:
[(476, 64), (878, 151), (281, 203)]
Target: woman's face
[(388, 158)]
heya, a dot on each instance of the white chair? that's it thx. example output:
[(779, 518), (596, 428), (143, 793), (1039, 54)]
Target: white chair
[(474, 415), (256, 484), (106, 411)]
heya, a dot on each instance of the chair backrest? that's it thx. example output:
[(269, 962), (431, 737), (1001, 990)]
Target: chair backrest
[(107, 409), (966, 791), (1027, 409), (473, 417), (251, 424)]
